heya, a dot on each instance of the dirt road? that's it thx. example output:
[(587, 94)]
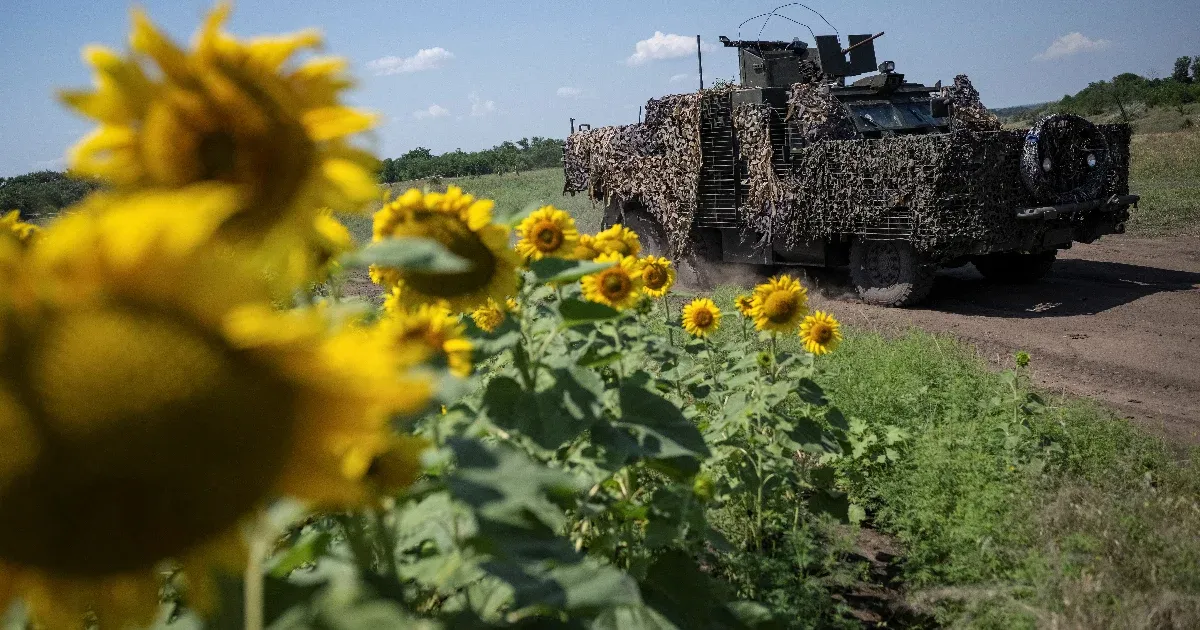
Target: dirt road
[(1117, 321)]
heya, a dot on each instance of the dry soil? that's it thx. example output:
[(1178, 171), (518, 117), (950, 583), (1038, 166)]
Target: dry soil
[(1117, 321)]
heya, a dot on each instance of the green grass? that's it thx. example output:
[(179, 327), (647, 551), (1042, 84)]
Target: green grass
[(1067, 517), (1165, 171)]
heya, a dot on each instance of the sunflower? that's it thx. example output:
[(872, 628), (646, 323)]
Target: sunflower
[(745, 305), (548, 232), (658, 275), (701, 317), (779, 304), (464, 226), (618, 239), (151, 392), (617, 286), (428, 331), (12, 227), (330, 239), (489, 316), (239, 114), (820, 332), (399, 466), (585, 248)]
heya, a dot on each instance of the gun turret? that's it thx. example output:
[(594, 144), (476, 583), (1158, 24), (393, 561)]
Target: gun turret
[(776, 63)]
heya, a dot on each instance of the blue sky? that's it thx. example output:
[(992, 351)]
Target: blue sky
[(494, 70)]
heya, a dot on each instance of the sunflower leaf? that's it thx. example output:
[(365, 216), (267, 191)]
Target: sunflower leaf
[(576, 312), (409, 253), (559, 270)]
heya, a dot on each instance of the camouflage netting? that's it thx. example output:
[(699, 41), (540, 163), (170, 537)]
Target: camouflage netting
[(655, 164), (817, 115), (968, 111), (951, 194), (765, 192)]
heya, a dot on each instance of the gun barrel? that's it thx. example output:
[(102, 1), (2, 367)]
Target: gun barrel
[(869, 39)]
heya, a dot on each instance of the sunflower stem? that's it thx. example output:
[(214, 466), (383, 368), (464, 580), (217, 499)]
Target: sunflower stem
[(253, 588), (670, 331)]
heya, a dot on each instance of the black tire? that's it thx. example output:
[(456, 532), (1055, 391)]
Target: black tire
[(1014, 268), (889, 273), (650, 234)]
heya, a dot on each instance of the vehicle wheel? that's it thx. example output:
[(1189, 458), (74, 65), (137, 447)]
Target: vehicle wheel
[(650, 233), (1014, 268), (889, 273)]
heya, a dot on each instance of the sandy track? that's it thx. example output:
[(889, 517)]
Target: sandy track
[(1117, 321)]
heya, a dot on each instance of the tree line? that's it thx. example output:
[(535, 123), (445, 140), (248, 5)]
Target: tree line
[(507, 157), (42, 193)]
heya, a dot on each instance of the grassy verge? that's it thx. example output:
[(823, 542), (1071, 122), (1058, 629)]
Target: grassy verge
[(1165, 171), (1014, 509)]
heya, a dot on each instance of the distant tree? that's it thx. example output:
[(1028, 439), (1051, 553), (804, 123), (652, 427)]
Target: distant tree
[(43, 193), (1196, 69), (1180, 73)]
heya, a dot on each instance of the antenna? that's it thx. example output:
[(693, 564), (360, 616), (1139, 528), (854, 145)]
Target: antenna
[(772, 13), (700, 62)]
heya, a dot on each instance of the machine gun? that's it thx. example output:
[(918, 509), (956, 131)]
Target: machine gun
[(764, 63)]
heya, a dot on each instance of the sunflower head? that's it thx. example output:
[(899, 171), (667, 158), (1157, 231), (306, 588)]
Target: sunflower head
[(617, 286), (548, 232), (398, 467), (820, 332), (428, 332), (163, 401), (701, 317), (13, 228), (779, 304), (618, 239), (1022, 359), (235, 113), (745, 305), (585, 248), (489, 316), (658, 275), (464, 226)]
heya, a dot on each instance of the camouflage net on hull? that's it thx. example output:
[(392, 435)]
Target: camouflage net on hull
[(655, 164), (968, 111), (765, 192), (951, 194)]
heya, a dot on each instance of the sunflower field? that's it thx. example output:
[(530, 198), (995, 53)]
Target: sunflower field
[(196, 430)]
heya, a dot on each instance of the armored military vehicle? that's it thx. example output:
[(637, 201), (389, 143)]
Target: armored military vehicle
[(799, 165)]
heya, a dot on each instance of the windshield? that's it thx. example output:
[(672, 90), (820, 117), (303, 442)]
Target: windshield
[(894, 115)]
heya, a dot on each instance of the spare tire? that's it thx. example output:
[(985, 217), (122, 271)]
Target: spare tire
[(1065, 160)]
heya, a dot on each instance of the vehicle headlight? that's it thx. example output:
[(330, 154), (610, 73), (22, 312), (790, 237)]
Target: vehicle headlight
[(1046, 164), (1091, 160)]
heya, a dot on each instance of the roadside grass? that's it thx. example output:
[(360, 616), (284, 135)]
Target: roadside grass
[(1165, 171), (1064, 516), (1015, 509)]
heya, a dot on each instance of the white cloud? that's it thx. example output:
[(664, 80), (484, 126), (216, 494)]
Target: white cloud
[(1071, 44), (425, 59), (433, 111), (480, 107), (569, 92), (680, 78), (664, 46)]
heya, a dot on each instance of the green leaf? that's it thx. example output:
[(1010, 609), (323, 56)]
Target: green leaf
[(566, 406), (856, 514), (576, 312), (810, 392), (830, 502), (279, 596), (311, 546), (559, 270), (410, 253), (656, 429), (812, 438)]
